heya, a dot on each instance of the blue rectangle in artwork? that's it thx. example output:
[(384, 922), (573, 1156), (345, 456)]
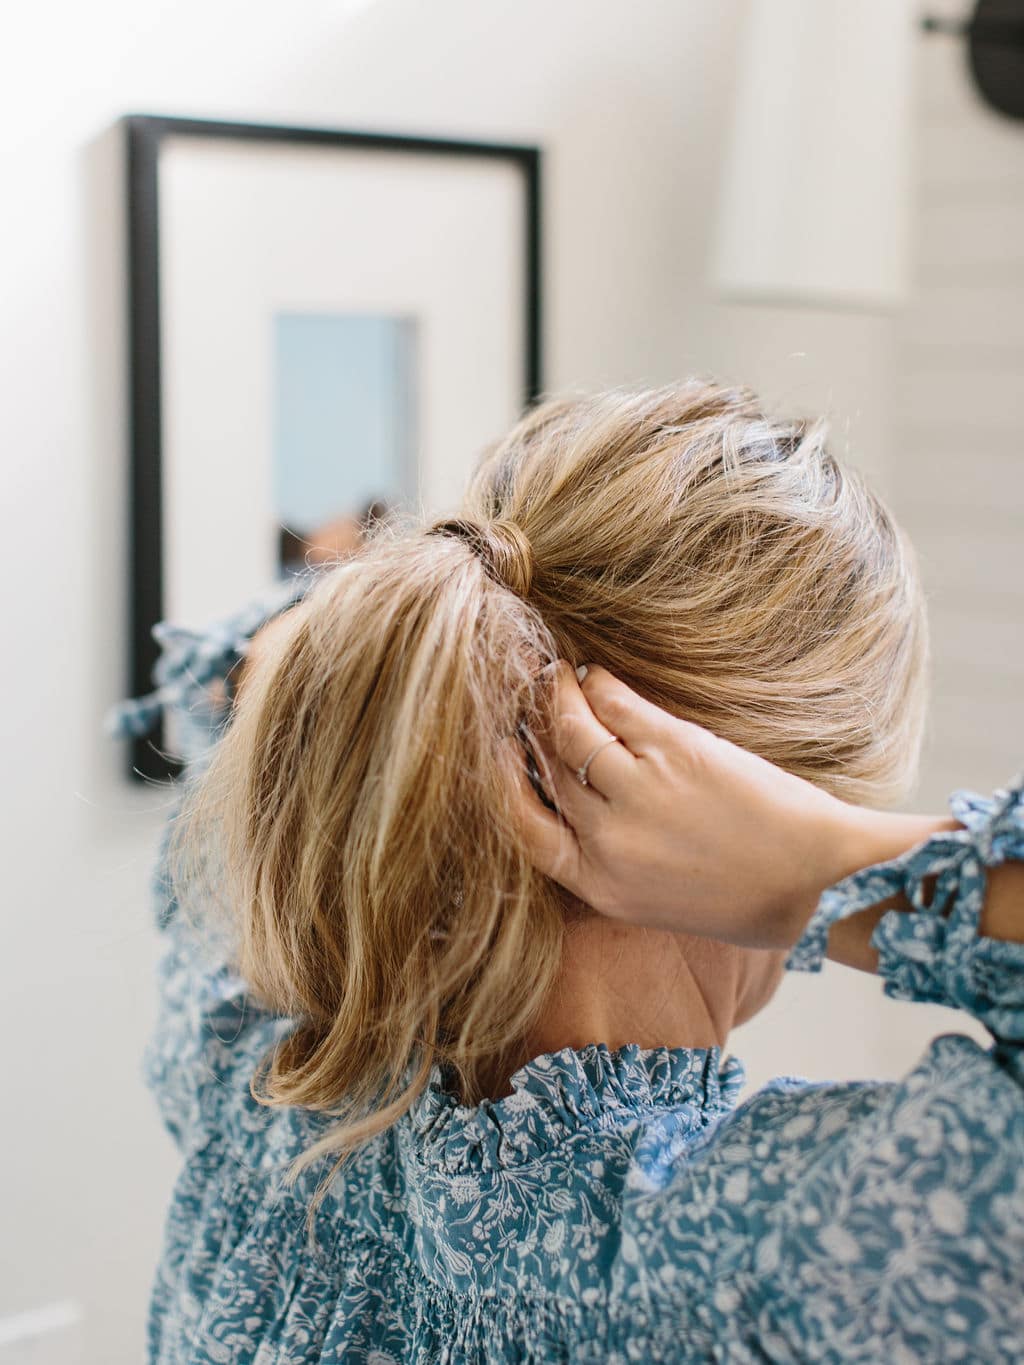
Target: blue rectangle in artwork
[(344, 416)]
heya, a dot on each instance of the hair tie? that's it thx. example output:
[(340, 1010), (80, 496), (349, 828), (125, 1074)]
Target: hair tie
[(501, 547)]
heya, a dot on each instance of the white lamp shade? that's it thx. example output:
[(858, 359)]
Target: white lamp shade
[(815, 190)]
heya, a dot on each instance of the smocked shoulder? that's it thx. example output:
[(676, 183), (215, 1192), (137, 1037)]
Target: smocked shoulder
[(563, 1093)]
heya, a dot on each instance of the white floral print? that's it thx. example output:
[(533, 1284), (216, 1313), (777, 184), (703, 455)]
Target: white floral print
[(618, 1206)]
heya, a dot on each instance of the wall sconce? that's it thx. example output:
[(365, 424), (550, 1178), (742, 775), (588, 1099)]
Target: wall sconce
[(815, 190), (995, 50)]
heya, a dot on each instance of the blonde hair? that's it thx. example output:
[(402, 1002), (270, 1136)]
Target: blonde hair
[(722, 564)]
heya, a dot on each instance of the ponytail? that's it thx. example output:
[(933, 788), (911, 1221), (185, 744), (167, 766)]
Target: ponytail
[(363, 799)]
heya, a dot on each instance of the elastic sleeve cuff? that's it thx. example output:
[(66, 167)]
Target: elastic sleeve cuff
[(934, 952)]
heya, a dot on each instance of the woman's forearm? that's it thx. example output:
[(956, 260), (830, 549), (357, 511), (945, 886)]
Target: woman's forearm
[(1003, 916)]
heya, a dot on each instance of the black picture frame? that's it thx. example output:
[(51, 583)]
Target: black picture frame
[(144, 135)]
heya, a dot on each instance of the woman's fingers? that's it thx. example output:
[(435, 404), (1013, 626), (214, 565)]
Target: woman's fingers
[(581, 805), (554, 848), (637, 722), (582, 741)]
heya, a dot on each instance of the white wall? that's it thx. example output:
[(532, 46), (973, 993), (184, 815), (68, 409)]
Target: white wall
[(958, 423), (629, 104), (949, 402)]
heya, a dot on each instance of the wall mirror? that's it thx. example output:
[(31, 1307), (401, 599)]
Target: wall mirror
[(324, 324)]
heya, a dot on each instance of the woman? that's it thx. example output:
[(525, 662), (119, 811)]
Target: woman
[(432, 1106)]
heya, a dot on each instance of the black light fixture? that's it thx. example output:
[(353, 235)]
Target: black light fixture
[(995, 50)]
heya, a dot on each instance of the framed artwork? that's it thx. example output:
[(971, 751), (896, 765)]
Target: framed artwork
[(324, 325)]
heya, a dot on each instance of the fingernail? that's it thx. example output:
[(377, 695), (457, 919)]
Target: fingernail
[(582, 672)]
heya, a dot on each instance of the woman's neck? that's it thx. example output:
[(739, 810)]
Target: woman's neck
[(619, 984)]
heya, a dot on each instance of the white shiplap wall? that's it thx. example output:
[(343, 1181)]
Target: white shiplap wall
[(953, 469), (957, 480)]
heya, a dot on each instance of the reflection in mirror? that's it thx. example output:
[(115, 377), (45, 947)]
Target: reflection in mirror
[(344, 429), (305, 305)]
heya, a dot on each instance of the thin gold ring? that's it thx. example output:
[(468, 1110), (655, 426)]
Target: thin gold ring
[(582, 770)]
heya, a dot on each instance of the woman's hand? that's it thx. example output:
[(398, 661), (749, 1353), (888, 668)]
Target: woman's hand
[(679, 829)]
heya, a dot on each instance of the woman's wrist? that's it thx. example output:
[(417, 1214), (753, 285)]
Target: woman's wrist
[(856, 837), (874, 836)]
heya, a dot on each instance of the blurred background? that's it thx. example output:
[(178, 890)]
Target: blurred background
[(809, 197)]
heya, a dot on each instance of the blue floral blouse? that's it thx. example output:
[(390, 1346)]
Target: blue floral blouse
[(617, 1206)]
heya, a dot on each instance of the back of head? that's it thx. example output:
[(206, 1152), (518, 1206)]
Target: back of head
[(728, 568), (722, 564)]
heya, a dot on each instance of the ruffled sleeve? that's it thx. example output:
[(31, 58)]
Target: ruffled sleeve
[(934, 951), (193, 672), (208, 1026)]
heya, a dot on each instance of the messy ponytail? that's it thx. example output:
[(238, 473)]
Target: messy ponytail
[(363, 806)]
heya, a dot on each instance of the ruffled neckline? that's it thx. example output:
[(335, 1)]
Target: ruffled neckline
[(563, 1093)]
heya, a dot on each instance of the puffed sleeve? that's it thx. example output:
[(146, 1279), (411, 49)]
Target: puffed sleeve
[(206, 1019), (193, 671), (934, 951)]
